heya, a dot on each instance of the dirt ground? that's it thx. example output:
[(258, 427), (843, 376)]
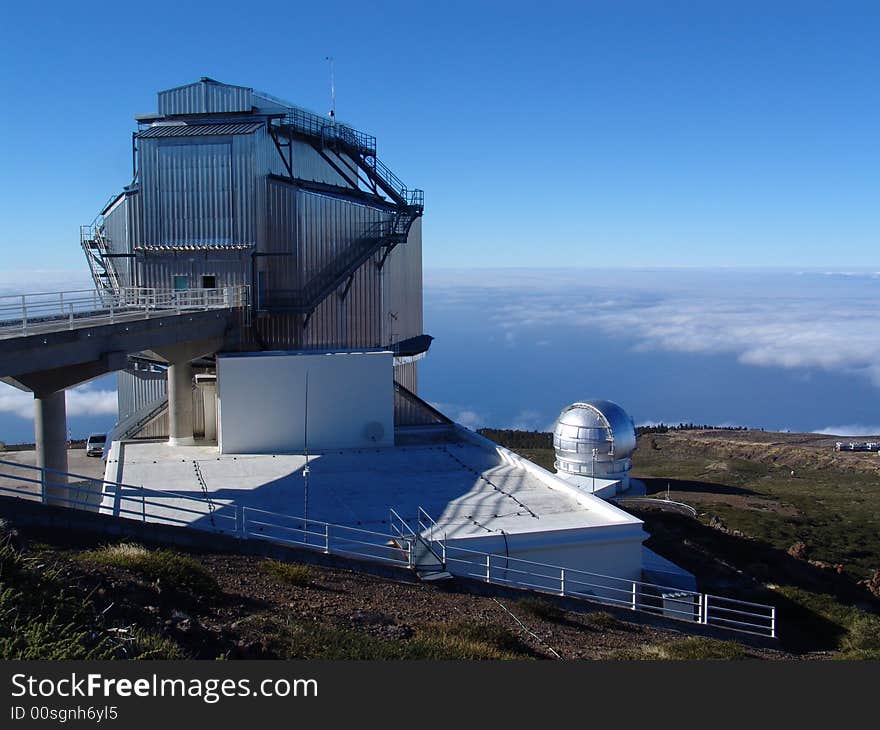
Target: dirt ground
[(342, 599)]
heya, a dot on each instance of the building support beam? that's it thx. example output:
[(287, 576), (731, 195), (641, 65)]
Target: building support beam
[(180, 385), (180, 405), (50, 437)]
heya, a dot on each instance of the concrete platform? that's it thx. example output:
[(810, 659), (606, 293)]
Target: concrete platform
[(467, 489), (480, 494)]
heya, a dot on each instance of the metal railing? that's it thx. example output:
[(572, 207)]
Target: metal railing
[(397, 547), (636, 595), (24, 314), (314, 125), (667, 505), (331, 133), (327, 537), (77, 491)]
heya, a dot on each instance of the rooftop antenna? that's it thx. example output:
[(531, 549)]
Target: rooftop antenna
[(306, 467), (332, 87)]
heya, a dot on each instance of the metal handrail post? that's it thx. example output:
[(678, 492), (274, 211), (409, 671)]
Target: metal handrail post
[(562, 581), (773, 622), (706, 609), (327, 537), (634, 596), (488, 567), (23, 315)]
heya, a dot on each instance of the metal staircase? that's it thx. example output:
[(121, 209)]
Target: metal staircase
[(380, 238), (346, 143), (94, 245)]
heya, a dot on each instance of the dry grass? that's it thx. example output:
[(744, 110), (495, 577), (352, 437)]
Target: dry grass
[(290, 573), (689, 649), (171, 570)]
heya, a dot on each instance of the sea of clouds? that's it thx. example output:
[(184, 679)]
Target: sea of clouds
[(794, 320)]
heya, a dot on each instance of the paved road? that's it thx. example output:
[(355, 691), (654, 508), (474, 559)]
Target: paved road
[(77, 463)]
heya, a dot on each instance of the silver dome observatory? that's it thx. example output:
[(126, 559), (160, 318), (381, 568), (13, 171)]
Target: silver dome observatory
[(593, 440)]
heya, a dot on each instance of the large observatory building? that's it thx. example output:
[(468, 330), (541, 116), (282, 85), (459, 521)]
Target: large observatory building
[(304, 403), (237, 190)]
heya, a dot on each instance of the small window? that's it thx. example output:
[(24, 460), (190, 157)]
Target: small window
[(181, 282), (209, 281)]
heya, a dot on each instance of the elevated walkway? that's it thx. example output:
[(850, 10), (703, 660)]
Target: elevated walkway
[(50, 342)]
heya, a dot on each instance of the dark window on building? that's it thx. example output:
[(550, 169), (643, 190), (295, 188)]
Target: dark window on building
[(209, 281)]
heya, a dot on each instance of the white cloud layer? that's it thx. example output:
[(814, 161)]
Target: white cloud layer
[(850, 430), (823, 320), (81, 401)]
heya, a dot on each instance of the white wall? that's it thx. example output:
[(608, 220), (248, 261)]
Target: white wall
[(261, 401), (618, 553)]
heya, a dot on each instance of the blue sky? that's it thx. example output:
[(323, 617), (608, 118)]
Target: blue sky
[(551, 134), (575, 136)]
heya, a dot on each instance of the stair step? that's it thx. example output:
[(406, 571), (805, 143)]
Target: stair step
[(434, 575)]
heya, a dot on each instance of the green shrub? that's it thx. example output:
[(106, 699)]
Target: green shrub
[(166, 567), (296, 575), (40, 618), (863, 634), (150, 645)]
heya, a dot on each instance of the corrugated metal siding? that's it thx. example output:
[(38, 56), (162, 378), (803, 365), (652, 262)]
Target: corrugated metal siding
[(195, 193), (158, 427), (326, 227), (230, 268), (116, 230), (202, 190), (135, 219), (402, 289), (136, 389), (313, 228), (407, 376), (248, 189), (205, 97), (309, 165)]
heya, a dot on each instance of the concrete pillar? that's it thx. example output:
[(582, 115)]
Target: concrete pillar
[(50, 437), (180, 406)]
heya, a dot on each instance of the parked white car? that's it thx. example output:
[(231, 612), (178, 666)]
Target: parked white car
[(95, 444)]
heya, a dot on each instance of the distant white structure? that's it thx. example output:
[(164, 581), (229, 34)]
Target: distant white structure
[(594, 441)]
